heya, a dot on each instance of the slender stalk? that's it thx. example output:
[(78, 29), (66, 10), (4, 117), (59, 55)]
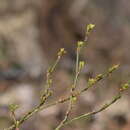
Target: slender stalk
[(41, 107), (73, 87), (97, 79), (50, 72), (44, 95), (34, 110), (90, 114), (65, 118), (77, 59), (73, 93), (13, 116)]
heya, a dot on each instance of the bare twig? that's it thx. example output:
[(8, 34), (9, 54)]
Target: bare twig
[(105, 106), (88, 115), (73, 86), (44, 95), (78, 68), (73, 93), (63, 100)]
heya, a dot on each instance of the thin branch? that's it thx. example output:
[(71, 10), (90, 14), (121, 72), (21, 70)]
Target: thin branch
[(96, 80), (40, 108), (73, 94), (44, 95), (50, 72), (123, 88), (73, 87), (88, 115)]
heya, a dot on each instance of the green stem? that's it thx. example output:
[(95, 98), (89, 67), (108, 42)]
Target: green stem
[(87, 115), (41, 107)]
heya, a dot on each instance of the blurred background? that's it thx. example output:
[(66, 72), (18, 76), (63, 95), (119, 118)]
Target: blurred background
[(31, 33)]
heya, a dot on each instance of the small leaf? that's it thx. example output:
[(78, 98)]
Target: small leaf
[(125, 86), (74, 98), (80, 43), (91, 81), (90, 27), (113, 68), (99, 76), (13, 107), (81, 64), (61, 52)]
